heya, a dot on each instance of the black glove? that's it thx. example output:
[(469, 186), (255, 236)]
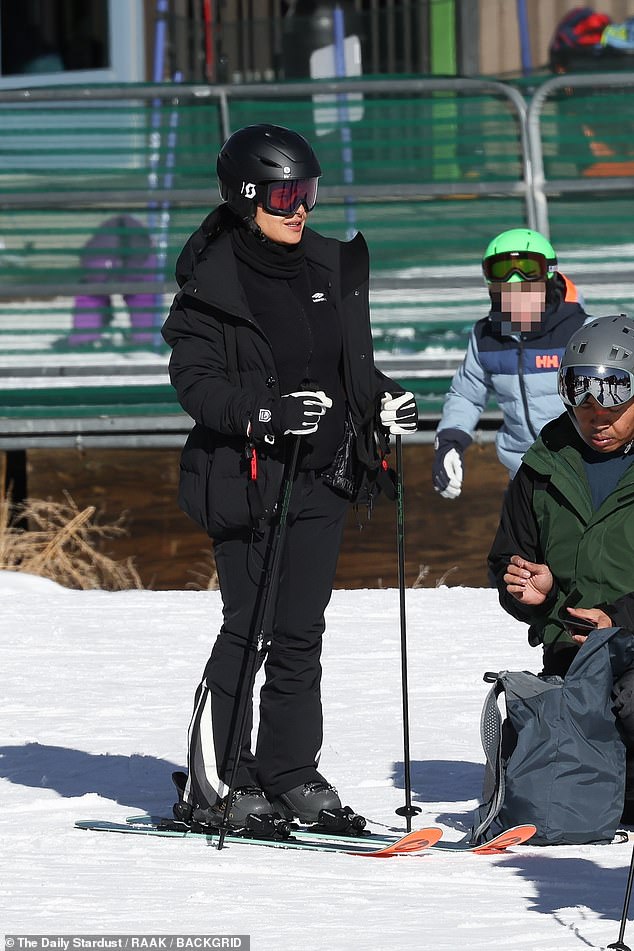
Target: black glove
[(448, 466), (301, 412), (399, 414)]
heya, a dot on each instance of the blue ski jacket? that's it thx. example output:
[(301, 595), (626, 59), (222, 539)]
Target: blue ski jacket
[(519, 370)]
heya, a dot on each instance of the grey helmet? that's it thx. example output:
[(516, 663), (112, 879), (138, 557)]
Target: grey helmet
[(258, 154), (599, 347), (606, 341)]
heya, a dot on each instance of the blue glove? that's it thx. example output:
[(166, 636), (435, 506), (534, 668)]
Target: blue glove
[(448, 466)]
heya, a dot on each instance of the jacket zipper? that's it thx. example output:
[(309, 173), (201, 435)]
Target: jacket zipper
[(520, 376)]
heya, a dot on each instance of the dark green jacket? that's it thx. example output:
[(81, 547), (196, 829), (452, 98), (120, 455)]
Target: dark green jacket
[(548, 518)]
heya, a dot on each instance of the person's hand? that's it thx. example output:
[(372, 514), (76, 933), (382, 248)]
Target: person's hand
[(448, 466), (600, 618), (301, 412), (527, 581), (399, 414)]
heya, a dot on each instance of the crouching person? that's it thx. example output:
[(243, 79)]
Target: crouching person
[(564, 548)]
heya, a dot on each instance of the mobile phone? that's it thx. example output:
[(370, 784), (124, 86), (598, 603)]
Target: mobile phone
[(576, 625)]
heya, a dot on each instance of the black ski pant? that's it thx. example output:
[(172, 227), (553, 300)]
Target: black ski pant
[(289, 734)]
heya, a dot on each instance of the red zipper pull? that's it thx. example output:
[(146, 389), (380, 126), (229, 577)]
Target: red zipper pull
[(254, 464)]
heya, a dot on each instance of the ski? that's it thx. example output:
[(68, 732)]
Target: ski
[(367, 843), (516, 835), (410, 844), (300, 832)]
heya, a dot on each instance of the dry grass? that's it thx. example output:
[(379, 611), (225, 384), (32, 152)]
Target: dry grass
[(58, 541), (423, 579), (204, 574)]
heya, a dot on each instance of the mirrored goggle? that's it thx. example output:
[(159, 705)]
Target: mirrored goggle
[(608, 386), (527, 264), (283, 198)]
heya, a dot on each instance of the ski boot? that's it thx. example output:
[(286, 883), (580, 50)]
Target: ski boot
[(250, 813), (318, 805), (246, 801)]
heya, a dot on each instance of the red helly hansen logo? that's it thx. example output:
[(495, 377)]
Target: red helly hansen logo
[(547, 361)]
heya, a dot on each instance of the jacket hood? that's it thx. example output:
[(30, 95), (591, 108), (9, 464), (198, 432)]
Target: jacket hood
[(219, 220), (206, 267), (222, 220)]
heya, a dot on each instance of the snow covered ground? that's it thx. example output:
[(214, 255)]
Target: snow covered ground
[(96, 698)]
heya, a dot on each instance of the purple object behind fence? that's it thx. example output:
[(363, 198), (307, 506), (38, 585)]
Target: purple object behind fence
[(120, 252)]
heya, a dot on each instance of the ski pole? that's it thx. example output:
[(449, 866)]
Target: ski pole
[(408, 810), (619, 945), (257, 646)]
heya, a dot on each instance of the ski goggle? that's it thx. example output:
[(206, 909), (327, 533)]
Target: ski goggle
[(283, 198), (528, 265), (608, 385)]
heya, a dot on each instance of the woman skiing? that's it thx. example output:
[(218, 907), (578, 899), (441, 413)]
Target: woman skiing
[(271, 353)]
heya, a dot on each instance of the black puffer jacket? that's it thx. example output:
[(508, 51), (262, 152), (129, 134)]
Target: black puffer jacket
[(223, 371)]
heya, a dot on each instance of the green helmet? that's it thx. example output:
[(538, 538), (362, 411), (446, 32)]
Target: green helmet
[(519, 254)]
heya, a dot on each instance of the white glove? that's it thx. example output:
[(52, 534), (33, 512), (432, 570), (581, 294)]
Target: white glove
[(302, 412), (452, 464), (398, 413)]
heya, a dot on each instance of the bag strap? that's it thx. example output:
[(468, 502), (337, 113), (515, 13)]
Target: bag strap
[(494, 785)]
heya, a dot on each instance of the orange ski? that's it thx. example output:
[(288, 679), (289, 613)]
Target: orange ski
[(514, 836), (413, 842)]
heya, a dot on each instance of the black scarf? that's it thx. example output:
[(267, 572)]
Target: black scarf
[(266, 257)]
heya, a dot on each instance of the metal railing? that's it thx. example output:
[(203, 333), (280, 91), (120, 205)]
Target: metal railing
[(428, 169), (151, 149), (614, 178), (330, 98)]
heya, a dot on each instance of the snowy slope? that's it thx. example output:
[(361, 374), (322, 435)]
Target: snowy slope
[(97, 692)]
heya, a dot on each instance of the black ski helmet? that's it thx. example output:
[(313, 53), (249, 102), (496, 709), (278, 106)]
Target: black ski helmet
[(257, 154)]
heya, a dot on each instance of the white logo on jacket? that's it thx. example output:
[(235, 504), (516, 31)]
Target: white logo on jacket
[(264, 416), (319, 298)]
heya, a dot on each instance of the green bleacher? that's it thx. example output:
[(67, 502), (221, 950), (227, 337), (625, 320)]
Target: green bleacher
[(427, 176)]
